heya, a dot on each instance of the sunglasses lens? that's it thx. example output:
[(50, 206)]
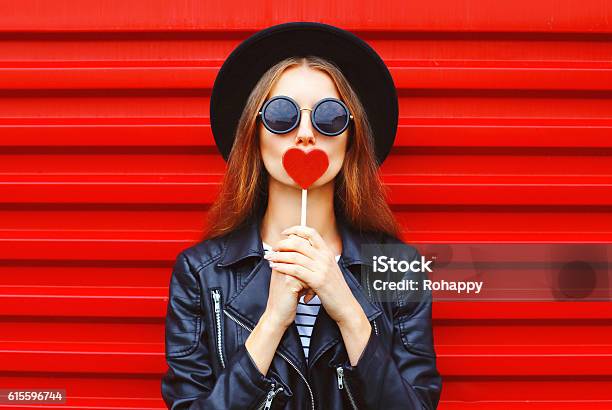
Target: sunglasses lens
[(331, 117), (280, 115)]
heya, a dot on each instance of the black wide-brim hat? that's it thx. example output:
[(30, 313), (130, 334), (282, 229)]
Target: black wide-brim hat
[(360, 64)]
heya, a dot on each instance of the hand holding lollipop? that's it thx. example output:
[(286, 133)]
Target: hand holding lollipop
[(305, 168)]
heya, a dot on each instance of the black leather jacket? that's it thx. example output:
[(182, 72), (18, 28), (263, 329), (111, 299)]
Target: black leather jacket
[(218, 292)]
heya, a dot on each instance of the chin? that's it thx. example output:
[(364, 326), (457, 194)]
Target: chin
[(286, 181), (322, 183)]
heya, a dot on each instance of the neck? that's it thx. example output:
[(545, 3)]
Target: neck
[(283, 211)]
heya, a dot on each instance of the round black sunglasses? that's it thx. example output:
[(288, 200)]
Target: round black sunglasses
[(281, 114)]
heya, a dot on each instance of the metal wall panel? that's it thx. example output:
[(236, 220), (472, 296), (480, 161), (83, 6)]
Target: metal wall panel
[(107, 167)]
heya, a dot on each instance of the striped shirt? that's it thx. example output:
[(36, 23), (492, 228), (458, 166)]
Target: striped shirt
[(305, 315)]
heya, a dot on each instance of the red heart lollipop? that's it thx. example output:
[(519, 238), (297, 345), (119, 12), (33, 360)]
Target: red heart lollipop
[(305, 167)]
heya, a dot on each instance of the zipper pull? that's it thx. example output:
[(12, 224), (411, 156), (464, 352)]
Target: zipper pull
[(340, 372), (270, 397), (217, 298)]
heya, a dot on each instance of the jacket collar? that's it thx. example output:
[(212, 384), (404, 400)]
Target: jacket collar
[(249, 302), (242, 243), (246, 242)]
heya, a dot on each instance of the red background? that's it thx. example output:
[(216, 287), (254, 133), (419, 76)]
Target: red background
[(107, 167)]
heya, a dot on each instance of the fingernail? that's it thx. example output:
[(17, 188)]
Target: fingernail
[(271, 264), (267, 255)]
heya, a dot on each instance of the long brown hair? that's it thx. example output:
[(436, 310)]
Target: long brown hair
[(359, 195)]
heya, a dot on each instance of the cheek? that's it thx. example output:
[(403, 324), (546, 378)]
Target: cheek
[(335, 163), (266, 145), (337, 156), (271, 153), (268, 157)]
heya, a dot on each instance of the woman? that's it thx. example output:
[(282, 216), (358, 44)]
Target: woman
[(292, 327)]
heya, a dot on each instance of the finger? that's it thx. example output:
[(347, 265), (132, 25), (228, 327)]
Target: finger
[(291, 269), (305, 286), (309, 296), (302, 292), (306, 292), (297, 244), (291, 257), (300, 239), (306, 232)]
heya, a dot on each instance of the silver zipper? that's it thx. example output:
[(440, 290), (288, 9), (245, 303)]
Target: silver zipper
[(281, 355), (342, 384), (216, 293), (340, 372), (302, 376), (267, 404), (370, 296)]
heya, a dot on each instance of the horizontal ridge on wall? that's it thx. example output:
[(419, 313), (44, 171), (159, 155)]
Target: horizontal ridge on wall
[(396, 15), (169, 75), (561, 190), (194, 132)]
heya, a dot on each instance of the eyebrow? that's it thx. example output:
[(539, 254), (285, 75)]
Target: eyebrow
[(295, 99)]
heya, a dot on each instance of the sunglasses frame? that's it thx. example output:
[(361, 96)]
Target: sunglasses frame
[(299, 110)]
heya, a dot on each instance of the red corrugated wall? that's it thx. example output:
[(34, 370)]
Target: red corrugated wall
[(107, 167)]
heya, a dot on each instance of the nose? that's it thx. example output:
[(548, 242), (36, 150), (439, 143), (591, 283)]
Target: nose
[(305, 134)]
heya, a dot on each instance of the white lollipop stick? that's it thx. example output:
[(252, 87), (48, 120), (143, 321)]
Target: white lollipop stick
[(303, 223), (304, 204)]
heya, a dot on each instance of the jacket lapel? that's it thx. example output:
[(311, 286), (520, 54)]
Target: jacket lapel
[(326, 332)]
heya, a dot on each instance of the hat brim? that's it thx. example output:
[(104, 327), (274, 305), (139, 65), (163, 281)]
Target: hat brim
[(360, 64)]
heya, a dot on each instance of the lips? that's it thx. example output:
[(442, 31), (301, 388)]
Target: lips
[(305, 167)]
